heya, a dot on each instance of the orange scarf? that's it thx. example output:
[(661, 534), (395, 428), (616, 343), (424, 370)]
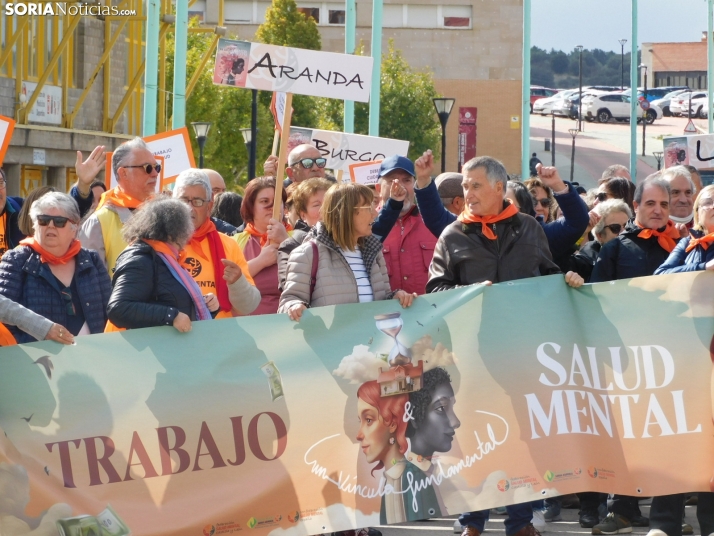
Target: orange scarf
[(49, 258), (217, 252), (163, 247), (508, 212), (251, 230), (118, 198), (703, 241), (6, 338), (667, 239)]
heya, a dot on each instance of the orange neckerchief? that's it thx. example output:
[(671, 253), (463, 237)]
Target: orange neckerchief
[(163, 247), (49, 258), (217, 252), (703, 241), (667, 239), (6, 338), (508, 212), (118, 198), (251, 230)]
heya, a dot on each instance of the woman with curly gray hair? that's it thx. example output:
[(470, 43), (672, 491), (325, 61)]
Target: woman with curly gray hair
[(152, 286)]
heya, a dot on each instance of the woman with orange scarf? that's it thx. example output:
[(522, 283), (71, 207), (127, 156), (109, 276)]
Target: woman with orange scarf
[(695, 252), (53, 276), (152, 285), (261, 239)]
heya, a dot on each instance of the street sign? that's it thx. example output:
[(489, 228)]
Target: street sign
[(690, 128), (645, 104)]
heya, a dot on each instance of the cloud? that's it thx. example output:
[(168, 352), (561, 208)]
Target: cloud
[(360, 366), (438, 356)]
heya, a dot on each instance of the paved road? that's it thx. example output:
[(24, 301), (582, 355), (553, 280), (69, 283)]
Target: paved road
[(601, 145), (568, 525)]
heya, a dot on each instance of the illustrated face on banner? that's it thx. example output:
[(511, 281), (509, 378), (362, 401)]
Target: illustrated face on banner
[(381, 432), (231, 60)]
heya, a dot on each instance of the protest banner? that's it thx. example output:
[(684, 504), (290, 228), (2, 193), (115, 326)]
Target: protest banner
[(365, 414), (292, 70), (342, 149), (110, 179), (175, 148), (366, 173), (7, 126)]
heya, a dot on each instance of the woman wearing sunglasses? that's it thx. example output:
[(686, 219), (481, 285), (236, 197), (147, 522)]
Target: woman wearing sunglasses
[(613, 216), (695, 252), (53, 276)]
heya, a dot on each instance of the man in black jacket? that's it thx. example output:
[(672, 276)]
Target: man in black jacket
[(491, 242), (647, 240)]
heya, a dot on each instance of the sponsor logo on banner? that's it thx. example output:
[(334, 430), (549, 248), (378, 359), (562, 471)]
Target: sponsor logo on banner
[(592, 472), (209, 530), (503, 485), (260, 522), (556, 476)]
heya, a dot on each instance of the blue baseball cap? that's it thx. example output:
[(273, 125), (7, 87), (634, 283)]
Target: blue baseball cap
[(396, 162)]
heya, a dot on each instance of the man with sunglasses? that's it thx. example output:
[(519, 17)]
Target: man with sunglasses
[(217, 263), (304, 162), (136, 171)]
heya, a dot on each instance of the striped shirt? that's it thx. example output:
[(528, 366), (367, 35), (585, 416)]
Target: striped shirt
[(364, 285)]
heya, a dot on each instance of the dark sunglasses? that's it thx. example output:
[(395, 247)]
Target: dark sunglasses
[(615, 228), (545, 202), (601, 196), (60, 221), (147, 168), (307, 163)]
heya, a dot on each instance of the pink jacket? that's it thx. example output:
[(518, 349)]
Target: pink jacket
[(408, 250)]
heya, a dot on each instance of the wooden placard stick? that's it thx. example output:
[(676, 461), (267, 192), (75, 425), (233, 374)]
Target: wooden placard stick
[(282, 159), (276, 139), (338, 176)]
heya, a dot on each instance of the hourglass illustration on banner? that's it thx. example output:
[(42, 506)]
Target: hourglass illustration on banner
[(402, 376)]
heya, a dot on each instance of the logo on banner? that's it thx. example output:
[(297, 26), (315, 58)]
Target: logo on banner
[(549, 476), (503, 485), (209, 530), (294, 517), (592, 472), (195, 265)]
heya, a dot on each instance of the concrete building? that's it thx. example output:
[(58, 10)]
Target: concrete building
[(80, 105), (474, 49), (677, 64)]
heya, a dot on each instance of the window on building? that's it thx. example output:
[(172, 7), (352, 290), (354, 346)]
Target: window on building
[(335, 13), (419, 16), (241, 12), (313, 12), (456, 16), (262, 8), (393, 16)]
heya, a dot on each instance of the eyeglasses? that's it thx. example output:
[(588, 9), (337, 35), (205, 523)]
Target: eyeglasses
[(307, 163), (3, 183), (147, 167), (66, 294), (545, 202), (60, 221), (615, 228), (196, 201), (601, 196)]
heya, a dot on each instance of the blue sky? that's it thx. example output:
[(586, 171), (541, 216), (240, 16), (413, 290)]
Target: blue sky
[(562, 24)]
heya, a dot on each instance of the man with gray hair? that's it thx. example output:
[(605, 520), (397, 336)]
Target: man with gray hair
[(217, 262), (645, 243), (137, 172), (491, 242), (616, 170), (448, 185), (682, 194), (304, 162)]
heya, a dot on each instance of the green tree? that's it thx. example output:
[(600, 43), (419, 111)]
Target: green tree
[(228, 109), (559, 62), (286, 26)]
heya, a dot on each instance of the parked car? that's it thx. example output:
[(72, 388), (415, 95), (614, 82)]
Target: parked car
[(540, 92), (615, 105), (665, 101), (680, 104), (569, 106), (704, 112), (697, 107), (545, 106)]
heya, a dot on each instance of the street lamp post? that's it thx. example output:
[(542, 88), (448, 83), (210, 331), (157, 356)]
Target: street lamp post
[(658, 155), (443, 110), (201, 129), (580, 100), (552, 140), (622, 62), (248, 140), (253, 135), (644, 110), (573, 133)]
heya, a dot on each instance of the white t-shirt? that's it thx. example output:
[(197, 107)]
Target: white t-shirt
[(364, 285)]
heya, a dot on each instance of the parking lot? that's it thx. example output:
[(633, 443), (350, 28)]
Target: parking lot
[(602, 144)]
